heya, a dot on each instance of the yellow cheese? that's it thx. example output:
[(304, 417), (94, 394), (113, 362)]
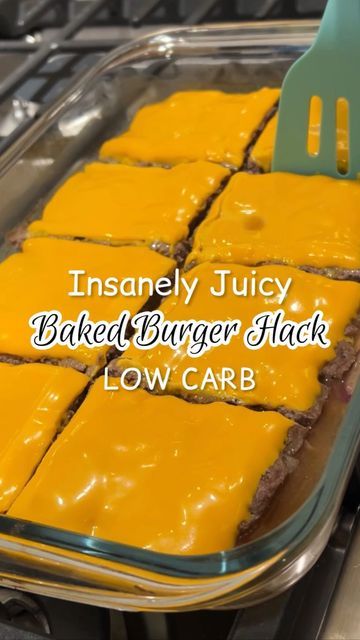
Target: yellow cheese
[(284, 377), (282, 217), (178, 486), (193, 125), (130, 205), (262, 153), (33, 400), (37, 280)]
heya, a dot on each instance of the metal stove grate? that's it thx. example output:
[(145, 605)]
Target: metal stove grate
[(19, 16), (42, 42)]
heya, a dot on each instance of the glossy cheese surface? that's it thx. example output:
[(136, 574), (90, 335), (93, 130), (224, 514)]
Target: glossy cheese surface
[(34, 398), (277, 370), (37, 280), (130, 205), (262, 152), (178, 486), (193, 125), (282, 217)]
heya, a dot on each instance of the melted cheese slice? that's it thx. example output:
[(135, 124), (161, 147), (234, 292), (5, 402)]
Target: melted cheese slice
[(262, 152), (178, 486), (37, 280), (284, 377), (33, 400), (193, 125), (285, 218), (130, 205)]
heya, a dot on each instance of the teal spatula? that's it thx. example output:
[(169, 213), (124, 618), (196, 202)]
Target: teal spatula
[(330, 70)]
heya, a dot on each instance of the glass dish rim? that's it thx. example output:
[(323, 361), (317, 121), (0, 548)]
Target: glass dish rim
[(288, 534)]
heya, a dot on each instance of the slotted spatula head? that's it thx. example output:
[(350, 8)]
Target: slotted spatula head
[(330, 70)]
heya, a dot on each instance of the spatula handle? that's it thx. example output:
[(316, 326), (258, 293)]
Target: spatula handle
[(340, 18)]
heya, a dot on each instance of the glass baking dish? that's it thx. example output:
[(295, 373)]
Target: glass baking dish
[(295, 530)]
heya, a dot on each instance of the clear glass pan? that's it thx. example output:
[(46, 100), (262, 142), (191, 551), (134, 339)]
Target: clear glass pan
[(293, 534)]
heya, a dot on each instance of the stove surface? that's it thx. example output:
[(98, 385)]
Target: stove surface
[(45, 43)]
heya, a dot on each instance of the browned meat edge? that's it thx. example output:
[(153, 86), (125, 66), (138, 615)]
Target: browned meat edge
[(18, 234), (345, 355), (72, 409), (305, 418), (334, 273), (91, 371), (253, 168), (273, 478), (333, 370), (249, 165), (65, 362), (276, 475)]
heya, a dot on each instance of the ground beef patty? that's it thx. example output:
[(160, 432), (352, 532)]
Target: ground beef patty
[(274, 477), (65, 362)]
